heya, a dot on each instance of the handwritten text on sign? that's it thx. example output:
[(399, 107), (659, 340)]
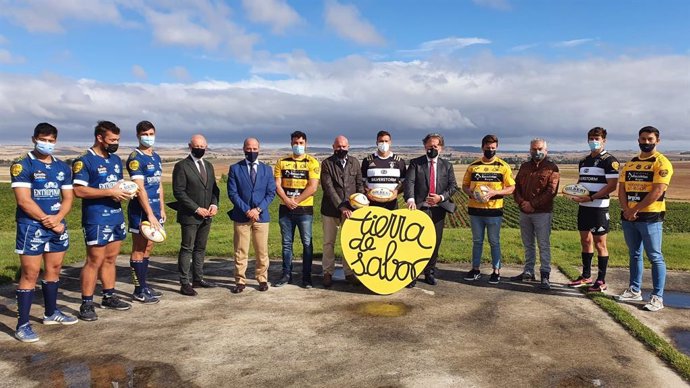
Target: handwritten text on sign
[(387, 249)]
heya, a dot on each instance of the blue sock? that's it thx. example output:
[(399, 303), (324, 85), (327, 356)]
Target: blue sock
[(24, 299), (138, 275), (108, 292), (87, 298), (50, 290)]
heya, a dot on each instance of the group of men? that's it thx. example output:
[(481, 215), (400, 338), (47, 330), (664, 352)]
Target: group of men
[(44, 188)]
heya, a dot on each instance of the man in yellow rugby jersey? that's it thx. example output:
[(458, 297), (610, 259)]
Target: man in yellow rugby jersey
[(642, 194), (486, 205)]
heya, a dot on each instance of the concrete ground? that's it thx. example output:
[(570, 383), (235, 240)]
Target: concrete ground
[(453, 334)]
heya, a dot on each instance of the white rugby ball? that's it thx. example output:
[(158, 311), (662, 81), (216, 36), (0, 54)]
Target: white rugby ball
[(151, 233), (358, 200), (380, 194), (479, 193), (575, 190), (129, 187)]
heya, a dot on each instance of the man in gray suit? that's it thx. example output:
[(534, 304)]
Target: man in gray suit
[(196, 192), (341, 176), (429, 185)]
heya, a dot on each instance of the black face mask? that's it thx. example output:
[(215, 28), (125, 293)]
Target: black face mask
[(489, 153), (112, 148), (647, 147), (251, 156), (432, 153), (198, 152), (341, 154)]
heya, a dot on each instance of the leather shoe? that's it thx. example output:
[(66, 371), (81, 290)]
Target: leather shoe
[(430, 279), (327, 280), (412, 284), (238, 288), (352, 279), (263, 286), (187, 289), (203, 284)]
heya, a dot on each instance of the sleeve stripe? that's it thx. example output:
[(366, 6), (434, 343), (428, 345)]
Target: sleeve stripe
[(137, 177), (80, 182), (67, 187), (21, 184)]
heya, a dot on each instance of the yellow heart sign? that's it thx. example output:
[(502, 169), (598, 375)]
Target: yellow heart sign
[(387, 249)]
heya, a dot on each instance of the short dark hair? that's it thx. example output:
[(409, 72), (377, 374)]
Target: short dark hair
[(433, 136), (144, 126), (298, 134), (383, 133), (649, 129), (489, 139), (597, 131), (105, 126), (43, 129)]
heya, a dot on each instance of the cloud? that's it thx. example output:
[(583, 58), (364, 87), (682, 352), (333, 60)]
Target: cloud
[(501, 5), (138, 72), (573, 43), (523, 47), (179, 73), (50, 16), (276, 13), (7, 58), (445, 45), (347, 22)]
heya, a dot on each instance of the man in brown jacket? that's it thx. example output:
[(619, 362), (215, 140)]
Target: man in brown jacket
[(536, 185), (341, 177)]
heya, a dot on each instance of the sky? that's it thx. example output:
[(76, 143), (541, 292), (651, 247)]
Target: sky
[(519, 69)]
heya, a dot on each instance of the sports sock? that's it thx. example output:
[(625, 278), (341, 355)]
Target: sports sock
[(602, 263), (108, 292), (24, 299), (87, 298), (50, 290), (587, 264), (138, 275)]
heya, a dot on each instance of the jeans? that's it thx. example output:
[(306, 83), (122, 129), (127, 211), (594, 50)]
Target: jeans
[(536, 225), (648, 235), (288, 223), (493, 229)]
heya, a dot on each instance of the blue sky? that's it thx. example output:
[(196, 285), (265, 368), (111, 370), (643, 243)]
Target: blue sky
[(520, 69)]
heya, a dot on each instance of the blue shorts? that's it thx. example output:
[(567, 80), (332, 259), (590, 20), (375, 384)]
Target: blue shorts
[(34, 240), (104, 234), (135, 219)]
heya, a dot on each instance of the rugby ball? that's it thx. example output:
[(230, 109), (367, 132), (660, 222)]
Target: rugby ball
[(479, 193), (358, 200), (151, 233), (380, 194), (575, 190), (130, 187)]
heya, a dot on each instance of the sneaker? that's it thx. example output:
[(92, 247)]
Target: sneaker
[(306, 283), (473, 275), (545, 284), (152, 292), (87, 312), (523, 277), (114, 302), (580, 282), (598, 286), (655, 304), (629, 295), (25, 333), (59, 318), (145, 298), (285, 279), (495, 278)]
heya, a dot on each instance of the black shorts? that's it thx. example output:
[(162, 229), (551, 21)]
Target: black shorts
[(593, 219)]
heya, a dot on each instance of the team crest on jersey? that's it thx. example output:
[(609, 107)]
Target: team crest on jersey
[(648, 167), (663, 173), (391, 164), (586, 170), (60, 176), (639, 166), (615, 165), (16, 169), (117, 169), (77, 166), (133, 165)]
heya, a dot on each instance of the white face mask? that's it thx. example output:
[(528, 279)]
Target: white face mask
[(383, 147)]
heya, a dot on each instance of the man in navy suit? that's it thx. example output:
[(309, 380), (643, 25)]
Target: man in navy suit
[(251, 189)]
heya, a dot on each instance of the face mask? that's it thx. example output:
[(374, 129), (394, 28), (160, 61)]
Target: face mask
[(432, 153), (298, 149), (594, 145), (251, 156), (647, 147), (539, 155), (383, 147), (44, 147), (198, 152), (341, 154), (489, 153), (147, 141), (112, 148)]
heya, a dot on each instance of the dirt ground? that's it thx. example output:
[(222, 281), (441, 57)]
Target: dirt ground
[(454, 334)]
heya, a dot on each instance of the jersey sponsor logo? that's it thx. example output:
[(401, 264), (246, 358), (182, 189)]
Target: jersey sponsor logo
[(587, 178), (295, 174), (134, 165), (153, 180), (102, 170), (150, 167), (39, 176), (634, 198), (487, 177), (77, 166), (111, 181), (56, 207), (16, 169), (640, 176)]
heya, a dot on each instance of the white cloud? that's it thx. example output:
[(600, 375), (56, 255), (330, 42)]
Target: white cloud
[(501, 5), (445, 45), (277, 13), (347, 22), (50, 15), (7, 58), (138, 72), (179, 73), (573, 43), (523, 47)]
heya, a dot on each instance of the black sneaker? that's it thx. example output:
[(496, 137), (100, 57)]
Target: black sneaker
[(306, 283), (473, 275), (87, 312), (523, 277), (153, 292), (285, 279), (113, 302), (495, 278), (545, 284)]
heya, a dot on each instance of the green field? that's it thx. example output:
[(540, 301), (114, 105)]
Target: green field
[(456, 246)]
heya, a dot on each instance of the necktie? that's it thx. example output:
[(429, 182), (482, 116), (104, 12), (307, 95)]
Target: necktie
[(202, 171), (432, 178), (252, 174)]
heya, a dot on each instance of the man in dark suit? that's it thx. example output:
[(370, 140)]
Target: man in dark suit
[(341, 176), (251, 188), (196, 192), (429, 185)]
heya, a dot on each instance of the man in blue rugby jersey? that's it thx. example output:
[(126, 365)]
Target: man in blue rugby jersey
[(42, 186)]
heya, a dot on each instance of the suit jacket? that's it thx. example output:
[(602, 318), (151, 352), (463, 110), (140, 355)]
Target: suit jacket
[(417, 182), (339, 183), (245, 196), (190, 191)]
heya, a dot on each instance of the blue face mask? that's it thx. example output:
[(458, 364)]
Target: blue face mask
[(147, 141), (44, 147), (298, 149), (594, 145)]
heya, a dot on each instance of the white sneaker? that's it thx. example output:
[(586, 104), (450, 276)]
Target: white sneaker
[(629, 295), (655, 304)]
